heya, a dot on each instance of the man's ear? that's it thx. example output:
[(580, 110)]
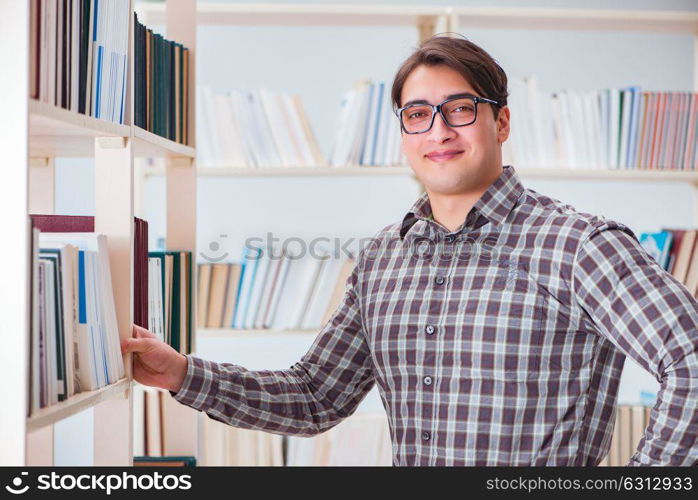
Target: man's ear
[(503, 124)]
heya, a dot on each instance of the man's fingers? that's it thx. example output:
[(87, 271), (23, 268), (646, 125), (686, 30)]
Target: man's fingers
[(134, 345), (142, 333)]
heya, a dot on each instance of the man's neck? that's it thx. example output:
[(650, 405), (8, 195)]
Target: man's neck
[(450, 210)]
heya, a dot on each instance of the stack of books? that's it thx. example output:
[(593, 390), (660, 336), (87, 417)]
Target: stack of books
[(615, 128), (170, 298), (367, 131), (74, 342), (161, 71), (79, 56), (254, 129), (271, 289)]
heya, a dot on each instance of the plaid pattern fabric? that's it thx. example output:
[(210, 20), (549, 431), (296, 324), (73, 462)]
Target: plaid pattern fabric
[(500, 343)]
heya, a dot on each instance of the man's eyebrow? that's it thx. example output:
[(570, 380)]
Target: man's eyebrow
[(452, 96)]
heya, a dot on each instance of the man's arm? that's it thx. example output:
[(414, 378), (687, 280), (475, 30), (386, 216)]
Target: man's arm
[(310, 397), (653, 319)]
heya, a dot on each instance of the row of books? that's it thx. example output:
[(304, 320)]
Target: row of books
[(79, 55), (676, 251), (271, 289), (607, 129), (367, 131), (629, 428), (161, 86), (254, 129), (74, 335), (169, 298)]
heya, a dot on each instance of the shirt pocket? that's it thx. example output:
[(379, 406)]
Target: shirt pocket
[(500, 319)]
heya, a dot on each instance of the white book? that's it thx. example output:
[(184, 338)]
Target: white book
[(95, 317), (538, 116), (262, 125), (580, 126), (322, 293), (257, 288), (296, 129), (383, 128), (275, 260), (243, 123), (50, 339), (158, 285), (519, 147), (570, 150), (635, 118), (230, 152), (303, 284), (277, 127), (270, 315), (614, 128), (90, 60), (52, 33), (288, 301), (359, 124), (74, 55), (603, 128), (138, 420), (378, 120), (243, 154), (337, 156), (372, 112)]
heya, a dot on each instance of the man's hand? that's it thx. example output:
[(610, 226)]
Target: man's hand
[(155, 363)]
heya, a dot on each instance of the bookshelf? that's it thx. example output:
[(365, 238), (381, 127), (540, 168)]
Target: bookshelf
[(37, 134)]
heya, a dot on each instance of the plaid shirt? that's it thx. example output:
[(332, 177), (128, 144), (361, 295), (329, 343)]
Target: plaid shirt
[(500, 343)]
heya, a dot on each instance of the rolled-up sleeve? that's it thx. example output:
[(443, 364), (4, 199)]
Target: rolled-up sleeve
[(310, 397), (653, 319)]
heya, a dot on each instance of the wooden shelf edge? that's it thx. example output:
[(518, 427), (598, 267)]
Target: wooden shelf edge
[(47, 120), (76, 404), (148, 144)]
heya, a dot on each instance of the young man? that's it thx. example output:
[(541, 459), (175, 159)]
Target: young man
[(503, 342)]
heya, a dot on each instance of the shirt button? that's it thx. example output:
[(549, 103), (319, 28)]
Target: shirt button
[(427, 380), (430, 329), (426, 436), (449, 238), (440, 280)]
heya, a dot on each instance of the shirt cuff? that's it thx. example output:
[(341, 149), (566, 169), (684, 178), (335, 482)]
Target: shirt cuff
[(200, 385)]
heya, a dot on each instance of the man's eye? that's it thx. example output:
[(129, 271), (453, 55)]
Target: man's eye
[(467, 109), (415, 115)]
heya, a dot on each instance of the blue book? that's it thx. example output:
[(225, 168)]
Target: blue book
[(658, 246), (250, 262)]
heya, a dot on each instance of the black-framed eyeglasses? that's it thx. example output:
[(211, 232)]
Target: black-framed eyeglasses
[(457, 111)]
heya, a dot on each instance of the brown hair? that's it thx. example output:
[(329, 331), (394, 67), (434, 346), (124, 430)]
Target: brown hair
[(462, 55)]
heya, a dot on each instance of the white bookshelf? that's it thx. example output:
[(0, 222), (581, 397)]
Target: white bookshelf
[(31, 139)]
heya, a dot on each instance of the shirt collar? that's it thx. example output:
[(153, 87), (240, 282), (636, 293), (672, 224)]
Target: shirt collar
[(495, 203)]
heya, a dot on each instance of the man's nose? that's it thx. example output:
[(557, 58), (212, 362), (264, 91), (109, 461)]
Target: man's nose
[(440, 130)]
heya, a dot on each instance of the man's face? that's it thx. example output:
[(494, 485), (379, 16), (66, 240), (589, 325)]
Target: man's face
[(472, 153)]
